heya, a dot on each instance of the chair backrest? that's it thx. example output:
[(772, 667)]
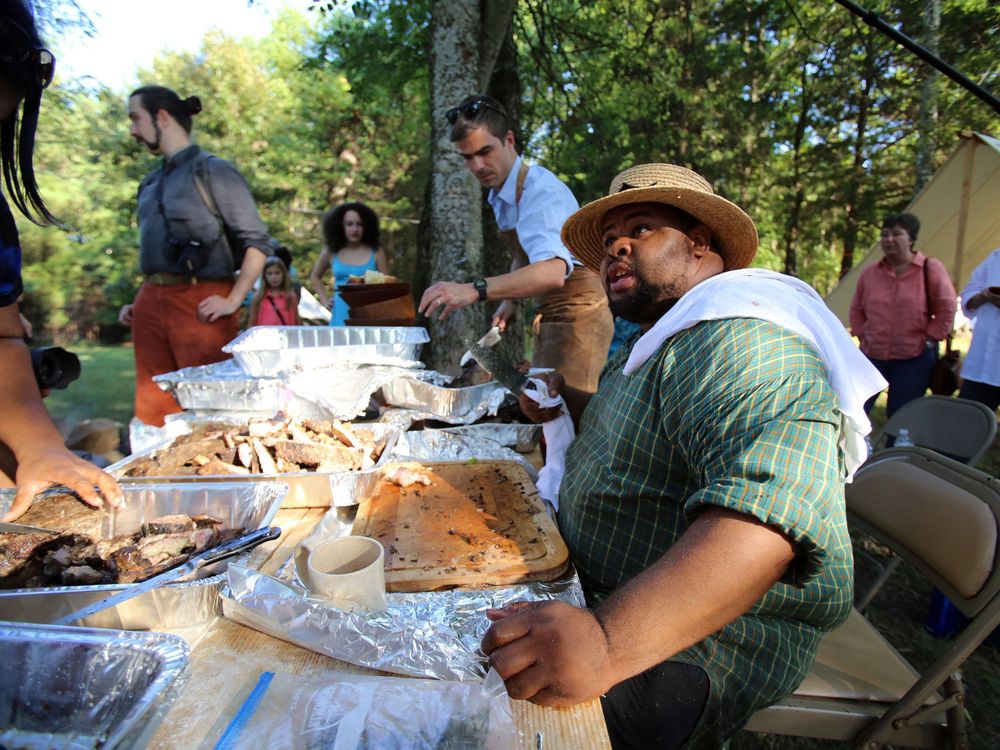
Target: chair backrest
[(937, 514), (955, 427)]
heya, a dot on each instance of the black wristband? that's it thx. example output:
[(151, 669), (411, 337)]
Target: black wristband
[(480, 286)]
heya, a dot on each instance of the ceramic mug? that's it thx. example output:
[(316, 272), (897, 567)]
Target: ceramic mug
[(347, 572)]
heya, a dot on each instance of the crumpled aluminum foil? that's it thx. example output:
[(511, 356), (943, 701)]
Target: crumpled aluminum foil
[(429, 399), (344, 391), (438, 445), (431, 634)]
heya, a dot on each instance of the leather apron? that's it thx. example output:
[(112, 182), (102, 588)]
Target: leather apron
[(576, 324)]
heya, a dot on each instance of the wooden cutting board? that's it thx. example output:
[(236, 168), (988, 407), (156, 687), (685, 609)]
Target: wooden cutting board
[(477, 524)]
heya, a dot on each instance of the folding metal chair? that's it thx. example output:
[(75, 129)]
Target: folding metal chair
[(860, 689), (954, 427)]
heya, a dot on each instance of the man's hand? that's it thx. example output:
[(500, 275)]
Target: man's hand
[(550, 653), (445, 297), (530, 407), (125, 315), (503, 314), (55, 465), (212, 308)]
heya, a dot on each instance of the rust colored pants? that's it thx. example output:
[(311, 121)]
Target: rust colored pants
[(576, 330), (167, 336)]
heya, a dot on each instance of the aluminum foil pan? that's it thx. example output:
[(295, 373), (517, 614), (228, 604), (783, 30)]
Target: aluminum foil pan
[(71, 687), (266, 350), (223, 385), (433, 634), (523, 438), (305, 489), (439, 445), (250, 505), (453, 405)]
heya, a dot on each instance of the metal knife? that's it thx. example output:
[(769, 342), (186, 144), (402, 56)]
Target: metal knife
[(234, 547), (492, 338), (502, 370), (21, 528)]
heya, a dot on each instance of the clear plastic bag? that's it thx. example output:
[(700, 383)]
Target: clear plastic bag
[(372, 713)]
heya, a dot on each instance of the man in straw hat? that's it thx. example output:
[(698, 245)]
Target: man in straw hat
[(703, 496), (530, 205)]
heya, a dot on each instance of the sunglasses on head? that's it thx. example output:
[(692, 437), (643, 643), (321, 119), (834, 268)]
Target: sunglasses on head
[(41, 60), (470, 111)]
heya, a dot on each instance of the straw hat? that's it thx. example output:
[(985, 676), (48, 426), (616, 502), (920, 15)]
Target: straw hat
[(734, 235)]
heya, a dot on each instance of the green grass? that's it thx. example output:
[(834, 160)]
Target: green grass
[(106, 387)]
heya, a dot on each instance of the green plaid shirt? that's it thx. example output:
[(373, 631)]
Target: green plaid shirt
[(734, 413)]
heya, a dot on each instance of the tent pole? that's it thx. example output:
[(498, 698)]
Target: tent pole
[(963, 208), (922, 52)]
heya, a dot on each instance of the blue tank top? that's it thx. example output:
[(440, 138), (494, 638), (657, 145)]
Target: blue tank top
[(341, 271)]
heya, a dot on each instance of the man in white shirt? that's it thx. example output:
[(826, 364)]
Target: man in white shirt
[(981, 300), (530, 205)]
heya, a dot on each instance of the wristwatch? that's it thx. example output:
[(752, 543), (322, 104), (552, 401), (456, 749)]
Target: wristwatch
[(480, 286)]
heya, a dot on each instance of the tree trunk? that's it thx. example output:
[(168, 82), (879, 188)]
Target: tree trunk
[(465, 40), (798, 184), (870, 75), (927, 114), (455, 222)]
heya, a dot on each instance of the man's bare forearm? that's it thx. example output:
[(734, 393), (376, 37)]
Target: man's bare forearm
[(721, 566)]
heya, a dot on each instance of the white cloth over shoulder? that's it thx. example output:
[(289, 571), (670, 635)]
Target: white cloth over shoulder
[(559, 433), (794, 305)]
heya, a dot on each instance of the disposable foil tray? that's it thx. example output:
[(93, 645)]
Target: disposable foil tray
[(306, 489), (248, 505), (456, 405), (71, 687), (223, 385), (523, 438), (265, 350)]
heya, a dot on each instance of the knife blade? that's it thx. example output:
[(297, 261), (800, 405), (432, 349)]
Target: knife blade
[(234, 547), (502, 370), (490, 339), (23, 528)]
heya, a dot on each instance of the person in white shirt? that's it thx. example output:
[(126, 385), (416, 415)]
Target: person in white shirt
[(530, 205), (981, 301)]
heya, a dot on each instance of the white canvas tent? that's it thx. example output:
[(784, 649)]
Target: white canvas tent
[(959, 212)]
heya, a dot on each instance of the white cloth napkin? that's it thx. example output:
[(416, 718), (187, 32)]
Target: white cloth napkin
[(559, 433), (792, 304)]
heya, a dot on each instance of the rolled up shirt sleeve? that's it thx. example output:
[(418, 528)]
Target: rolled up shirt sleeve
[(237, 207), (543, 210), (767, 447), (943, 300)]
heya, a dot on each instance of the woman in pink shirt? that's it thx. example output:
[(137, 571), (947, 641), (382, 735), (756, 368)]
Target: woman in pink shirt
[(902, 307)]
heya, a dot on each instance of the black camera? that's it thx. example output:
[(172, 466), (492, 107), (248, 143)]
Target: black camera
[(189, 255), (54, 367)]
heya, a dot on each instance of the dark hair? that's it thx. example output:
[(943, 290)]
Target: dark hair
[(909, 222), (333, 226), (17, 132), (492, 116), (280, 251), (155, 98)]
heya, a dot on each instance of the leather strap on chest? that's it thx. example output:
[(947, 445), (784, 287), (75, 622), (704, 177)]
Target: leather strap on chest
[(510, 235)]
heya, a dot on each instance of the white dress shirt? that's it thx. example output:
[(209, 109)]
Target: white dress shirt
[(545, 204), (982, 363)]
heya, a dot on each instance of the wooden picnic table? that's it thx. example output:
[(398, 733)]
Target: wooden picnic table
[(227, 658)]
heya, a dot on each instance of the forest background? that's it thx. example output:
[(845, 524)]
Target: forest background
[(813, 122)]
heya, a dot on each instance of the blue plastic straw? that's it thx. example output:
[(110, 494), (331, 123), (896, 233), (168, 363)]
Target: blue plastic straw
[(228, 738)]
